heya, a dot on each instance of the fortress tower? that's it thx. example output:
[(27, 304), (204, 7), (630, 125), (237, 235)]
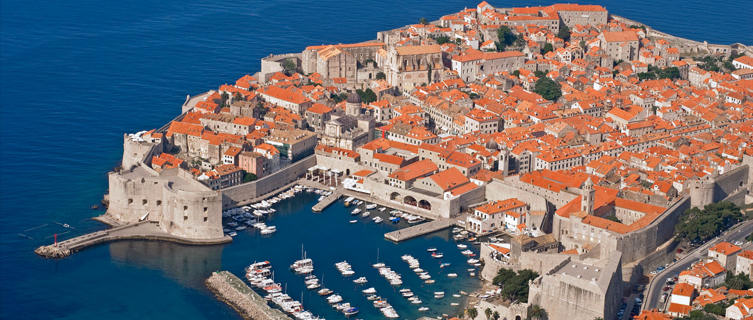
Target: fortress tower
[(588, 195), (504, 161)]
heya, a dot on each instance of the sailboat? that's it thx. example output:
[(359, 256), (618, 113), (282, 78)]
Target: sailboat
[(378, 264)]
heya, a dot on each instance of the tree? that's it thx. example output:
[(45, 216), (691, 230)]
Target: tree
[(442, 39), (505, 38), (547, 48), (495, 315), (516, 73), (698, 226), (380, 75), (548, 88), (738, 282), (248, 177), (564, 33), (536, 312), (749, 237), (423, 21), (472, 312), (715, 309), (503, 275), (488, 313), (289, 66), (367, 96)]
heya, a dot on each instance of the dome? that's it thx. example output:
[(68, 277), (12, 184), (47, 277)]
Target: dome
[(354, 98)]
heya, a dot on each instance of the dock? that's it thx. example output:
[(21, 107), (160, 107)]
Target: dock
[(419, 230), (145, 230), (330, 199), (234, 292)]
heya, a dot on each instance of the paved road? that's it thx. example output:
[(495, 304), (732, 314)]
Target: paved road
[(654, 289)]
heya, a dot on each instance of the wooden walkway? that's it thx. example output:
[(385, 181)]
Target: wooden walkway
[(419, 230)]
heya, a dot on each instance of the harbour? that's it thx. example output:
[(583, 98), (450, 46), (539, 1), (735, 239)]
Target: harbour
[(352, 268)]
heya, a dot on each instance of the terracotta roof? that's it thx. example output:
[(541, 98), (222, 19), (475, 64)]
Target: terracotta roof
[(725, 248), (413, 50), (414, 170), (620, 36), (449, 179)]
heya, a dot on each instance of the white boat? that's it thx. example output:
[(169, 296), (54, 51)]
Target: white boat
[(422, 309), (353, 221), (334, 299), (437, 255), (232, 234), (456, 295), (439, 294), (365, 214), (452, 275), (389, 312), (462, 246), (429, 281), (378, 219), (268, 230), (381, 209), (467, 252), (324, 292), (378, 265), (355, 211), (431, 249), (360, 280), (369, 290), (472, 261), (371, 206)]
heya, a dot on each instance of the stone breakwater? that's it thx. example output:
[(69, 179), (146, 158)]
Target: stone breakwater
[(233, 291)]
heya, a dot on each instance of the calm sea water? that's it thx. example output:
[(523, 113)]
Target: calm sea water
[(76, 75)]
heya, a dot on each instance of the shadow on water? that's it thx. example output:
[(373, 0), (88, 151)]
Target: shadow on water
[(187, 265)]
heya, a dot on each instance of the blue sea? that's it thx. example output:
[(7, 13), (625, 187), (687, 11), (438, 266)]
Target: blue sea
[(76, 75)]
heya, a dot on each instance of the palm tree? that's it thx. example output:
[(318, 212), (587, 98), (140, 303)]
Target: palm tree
[(472, 312), (488, 313), (536, 312)]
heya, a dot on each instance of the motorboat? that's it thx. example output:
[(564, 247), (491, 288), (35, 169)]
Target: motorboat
[(472, 261), (431, 249), (353, 221), (355, 211), (369, 290), (378, 265), (348, 201), (268, 230), (422, 309), (232, 234), (439, 294), (334, 299), (462, 246), (324, 292), (365, 214), (429, 281), (437, 255), (372, 297), (360, 280), (378, 219), (371, 206), (350, 311), (444, 264), (380, 304), (467, 253), (407, 294), (456, 295), (452, 275)]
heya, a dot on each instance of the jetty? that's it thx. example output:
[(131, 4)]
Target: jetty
[(144, 230), (234, 292), (328, 200), (419, 230)]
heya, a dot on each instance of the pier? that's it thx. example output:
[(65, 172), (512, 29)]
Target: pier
[(419, 230), (330, 199), (145, 230), (234, 292)]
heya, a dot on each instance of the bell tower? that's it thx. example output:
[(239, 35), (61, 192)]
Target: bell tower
[(587, 199)]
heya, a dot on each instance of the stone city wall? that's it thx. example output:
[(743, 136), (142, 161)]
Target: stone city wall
[(273, 63), (246, 193)]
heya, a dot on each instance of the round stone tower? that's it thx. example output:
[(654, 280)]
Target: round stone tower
[(353, 104)]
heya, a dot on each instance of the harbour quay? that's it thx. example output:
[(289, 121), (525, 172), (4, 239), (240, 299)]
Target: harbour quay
[(235, 293), (418, 230)]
